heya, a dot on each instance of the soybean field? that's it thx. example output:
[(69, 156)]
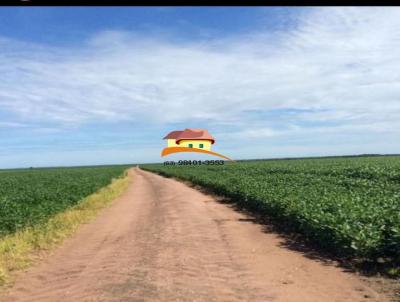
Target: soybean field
[(32, 196), (161, 240), (350, 206)]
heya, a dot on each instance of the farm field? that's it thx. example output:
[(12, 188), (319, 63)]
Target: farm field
[(349, 206), (31, 196), (162, 240), (182, 238)]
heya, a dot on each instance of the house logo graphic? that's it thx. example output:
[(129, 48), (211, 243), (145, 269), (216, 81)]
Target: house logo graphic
[(190, 140)]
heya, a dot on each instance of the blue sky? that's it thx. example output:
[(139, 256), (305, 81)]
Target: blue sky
[(83, 86)]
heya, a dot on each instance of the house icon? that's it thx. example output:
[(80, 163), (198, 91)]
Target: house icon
[(190, 138)]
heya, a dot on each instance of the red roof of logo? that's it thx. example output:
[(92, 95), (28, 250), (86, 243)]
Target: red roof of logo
[(172, 135), (190, 134)]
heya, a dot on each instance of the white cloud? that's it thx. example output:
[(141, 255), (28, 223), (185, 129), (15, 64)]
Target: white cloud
[(341, 62), (12, 125)]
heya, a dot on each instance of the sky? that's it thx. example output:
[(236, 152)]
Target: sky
[(104, 85)]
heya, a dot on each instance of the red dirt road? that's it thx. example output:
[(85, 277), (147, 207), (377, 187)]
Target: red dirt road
[(164, 241)]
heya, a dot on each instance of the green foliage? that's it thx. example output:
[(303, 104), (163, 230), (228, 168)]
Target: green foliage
[(32, 196), (350, 206)]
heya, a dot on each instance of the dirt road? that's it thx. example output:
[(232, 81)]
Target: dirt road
[(164, 241)]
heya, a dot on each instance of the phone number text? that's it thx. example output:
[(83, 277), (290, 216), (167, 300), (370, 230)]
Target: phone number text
[(194, 162)]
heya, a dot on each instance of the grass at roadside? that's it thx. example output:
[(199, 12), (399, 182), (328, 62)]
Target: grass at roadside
[(18, 250)]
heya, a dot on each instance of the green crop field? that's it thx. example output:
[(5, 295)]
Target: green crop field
[(31, 196), (350, 206)]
